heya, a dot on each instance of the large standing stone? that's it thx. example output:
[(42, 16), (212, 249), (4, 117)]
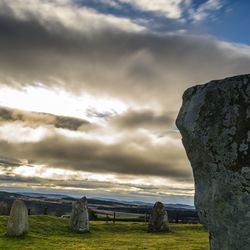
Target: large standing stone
[(18, 220), (159, 219), (79, 219), (215, 125)]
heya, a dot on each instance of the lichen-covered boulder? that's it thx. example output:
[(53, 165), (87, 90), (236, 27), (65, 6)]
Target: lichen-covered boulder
[(18, 223), (214, 121), (159, 219), (79, 219)]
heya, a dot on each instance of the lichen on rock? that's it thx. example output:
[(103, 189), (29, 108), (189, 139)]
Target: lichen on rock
[(18, 223), (159, 219), (214, 121), (79, 219)]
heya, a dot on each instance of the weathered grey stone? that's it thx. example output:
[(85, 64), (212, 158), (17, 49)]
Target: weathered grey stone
[(214, 121), (18, 220), (79, 219), (159, 219)]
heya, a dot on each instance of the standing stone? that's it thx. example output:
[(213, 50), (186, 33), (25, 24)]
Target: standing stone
[(18, 220), (159, 219), (79, 219), (214, 121)]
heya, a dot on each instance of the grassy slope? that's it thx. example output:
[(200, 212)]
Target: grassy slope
[(50, 233)]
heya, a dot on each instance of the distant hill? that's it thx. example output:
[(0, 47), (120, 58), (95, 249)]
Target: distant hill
[(42, 195), (7, 195), (183, 206), (100, 208), (107, 201)]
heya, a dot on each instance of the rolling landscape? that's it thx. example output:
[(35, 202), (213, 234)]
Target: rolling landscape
[(61, 205), (49, 222)]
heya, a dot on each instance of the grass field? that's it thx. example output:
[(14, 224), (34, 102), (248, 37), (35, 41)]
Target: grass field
[(120, 216), (47, 232)]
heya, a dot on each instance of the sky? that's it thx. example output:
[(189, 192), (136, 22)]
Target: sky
[(90, 90)]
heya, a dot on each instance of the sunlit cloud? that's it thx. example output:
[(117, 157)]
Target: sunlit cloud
[(16, 132), (170, 8), (39, 175), (59, 102)]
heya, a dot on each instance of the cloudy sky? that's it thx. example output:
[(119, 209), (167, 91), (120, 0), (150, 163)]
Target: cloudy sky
[(90, 89)]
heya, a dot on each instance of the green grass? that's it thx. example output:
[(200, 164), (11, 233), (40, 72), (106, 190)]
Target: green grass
[(120, 216), (48, 232)]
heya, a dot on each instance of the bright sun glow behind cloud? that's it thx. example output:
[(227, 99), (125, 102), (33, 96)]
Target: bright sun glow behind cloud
[(58, 102), (43, 172)]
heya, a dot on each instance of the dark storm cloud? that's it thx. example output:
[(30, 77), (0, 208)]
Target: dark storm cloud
[(9, 162), (144, 119), (78, 50), (37, 119), (124, 157), (19, 179)]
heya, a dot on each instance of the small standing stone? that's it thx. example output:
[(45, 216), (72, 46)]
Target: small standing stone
[(18, 220), (159, 219), (79, 219)]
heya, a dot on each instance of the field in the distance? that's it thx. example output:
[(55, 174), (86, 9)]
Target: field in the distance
[(48, 232)]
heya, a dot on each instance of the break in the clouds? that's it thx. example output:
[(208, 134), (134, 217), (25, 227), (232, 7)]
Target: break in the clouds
[(171, 8), (178, 9), (93, 87), (175, 12)]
